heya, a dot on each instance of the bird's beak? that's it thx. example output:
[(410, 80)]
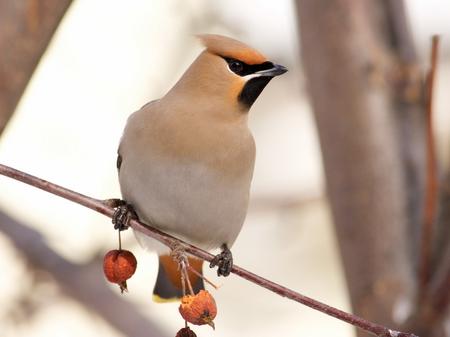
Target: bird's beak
[(276, 70)]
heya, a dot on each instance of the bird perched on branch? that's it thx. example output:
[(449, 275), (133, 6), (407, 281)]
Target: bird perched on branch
[(186, 160)]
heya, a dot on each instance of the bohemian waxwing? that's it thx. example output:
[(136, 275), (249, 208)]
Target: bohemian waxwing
[(186, 160)]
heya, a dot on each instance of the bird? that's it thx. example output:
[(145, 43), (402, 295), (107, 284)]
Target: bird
[(185, 161)]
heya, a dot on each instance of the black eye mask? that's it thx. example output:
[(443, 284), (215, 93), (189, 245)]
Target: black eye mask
[(242, 69)]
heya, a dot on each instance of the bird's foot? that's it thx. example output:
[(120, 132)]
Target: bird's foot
[(223, 261), (123, 213)]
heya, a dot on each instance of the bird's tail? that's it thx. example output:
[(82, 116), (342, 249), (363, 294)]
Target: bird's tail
[(168, 285)]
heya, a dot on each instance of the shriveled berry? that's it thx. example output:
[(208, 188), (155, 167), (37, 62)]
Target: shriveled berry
[(199, 309), (119, 266), (186, 332)]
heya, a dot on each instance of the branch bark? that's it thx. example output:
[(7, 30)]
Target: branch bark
[(26, 27), (84, 283), (172, 242)]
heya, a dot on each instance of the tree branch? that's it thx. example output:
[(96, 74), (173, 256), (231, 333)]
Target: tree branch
[(431, 191), (102, 207)]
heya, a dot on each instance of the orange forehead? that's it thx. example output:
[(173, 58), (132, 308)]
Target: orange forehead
[(228, 47)]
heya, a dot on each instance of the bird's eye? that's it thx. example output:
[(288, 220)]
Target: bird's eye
[(236, 66)]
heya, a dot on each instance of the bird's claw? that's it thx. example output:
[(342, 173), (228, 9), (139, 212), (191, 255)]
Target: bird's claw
[(223, 261), (123, 213)]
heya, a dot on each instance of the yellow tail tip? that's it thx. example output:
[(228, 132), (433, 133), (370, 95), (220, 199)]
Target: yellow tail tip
[(159, 299)]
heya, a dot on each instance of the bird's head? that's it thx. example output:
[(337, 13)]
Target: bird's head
[(229, 72)]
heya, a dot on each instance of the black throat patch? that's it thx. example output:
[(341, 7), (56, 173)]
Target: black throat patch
[(252, 89)]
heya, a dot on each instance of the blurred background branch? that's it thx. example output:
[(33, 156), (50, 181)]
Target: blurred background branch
[(432, 183), (84, 283), (27, 27)]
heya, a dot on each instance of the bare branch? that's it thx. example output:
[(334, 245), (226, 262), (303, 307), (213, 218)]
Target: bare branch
[(431, 192), (171, 242)]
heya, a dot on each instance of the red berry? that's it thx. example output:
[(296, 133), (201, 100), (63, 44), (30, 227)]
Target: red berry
[(199, 309), (119, 266)]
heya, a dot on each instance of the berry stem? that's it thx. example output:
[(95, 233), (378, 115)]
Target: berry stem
[(192, 270), (120, 240), (186, 276)]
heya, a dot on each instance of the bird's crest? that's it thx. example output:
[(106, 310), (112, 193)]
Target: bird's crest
[(228, 47)]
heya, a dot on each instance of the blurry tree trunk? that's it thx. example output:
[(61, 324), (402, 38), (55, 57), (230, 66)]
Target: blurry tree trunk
[(366, 91), (26, 27)]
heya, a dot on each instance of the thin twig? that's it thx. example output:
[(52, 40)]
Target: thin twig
[(431, 178), (192, 270), (170, 241)]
